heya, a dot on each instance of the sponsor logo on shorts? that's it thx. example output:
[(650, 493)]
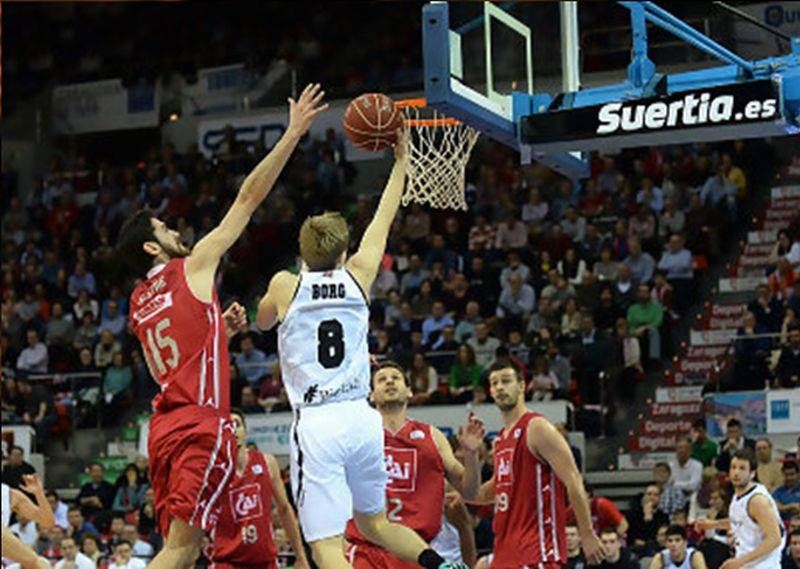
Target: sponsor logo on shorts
[(246, 502), (401, 465)]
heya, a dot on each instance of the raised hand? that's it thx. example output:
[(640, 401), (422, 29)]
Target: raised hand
[(471, 435), (30, 484), (235, 319), (303, 111)]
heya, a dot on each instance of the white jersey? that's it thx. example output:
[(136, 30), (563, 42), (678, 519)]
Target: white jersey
[(669, 563), (747, 535), (322, 341), (447, 542), (6, 504)]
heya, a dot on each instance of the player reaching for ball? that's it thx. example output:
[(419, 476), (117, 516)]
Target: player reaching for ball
[(175, 314), (337, 438)]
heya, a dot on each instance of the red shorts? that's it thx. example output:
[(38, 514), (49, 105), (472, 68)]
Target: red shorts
[(192, 456), (369, 556)]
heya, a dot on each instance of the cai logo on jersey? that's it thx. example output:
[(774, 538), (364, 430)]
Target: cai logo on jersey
[(246, 502), (504, 474), (401, 465)]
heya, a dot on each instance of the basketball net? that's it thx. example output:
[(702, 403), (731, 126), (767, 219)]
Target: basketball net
[(439, 148)]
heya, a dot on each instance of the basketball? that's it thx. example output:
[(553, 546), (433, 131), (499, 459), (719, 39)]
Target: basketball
[(371, 121)]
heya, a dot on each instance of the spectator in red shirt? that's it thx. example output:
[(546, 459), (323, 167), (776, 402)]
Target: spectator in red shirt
[(782, 281), (604, 514)]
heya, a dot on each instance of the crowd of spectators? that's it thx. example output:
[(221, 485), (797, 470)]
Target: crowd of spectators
[(766, 351), (550, 275)]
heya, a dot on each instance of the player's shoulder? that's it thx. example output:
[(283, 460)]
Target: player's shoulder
[(282, 280)]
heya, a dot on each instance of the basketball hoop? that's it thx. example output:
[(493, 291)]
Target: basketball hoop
[(438, 151)]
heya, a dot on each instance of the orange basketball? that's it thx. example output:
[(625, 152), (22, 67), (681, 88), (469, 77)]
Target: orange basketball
[(371, 121)]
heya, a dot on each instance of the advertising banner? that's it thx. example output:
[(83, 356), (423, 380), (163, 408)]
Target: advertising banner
[(783, 411), (102, 106), (749, 407)]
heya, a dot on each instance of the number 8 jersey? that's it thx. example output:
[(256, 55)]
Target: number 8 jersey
[(183, 340), (322, 340)]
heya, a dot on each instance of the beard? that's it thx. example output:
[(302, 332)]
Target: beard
[(391, 404), (177, 250), (506, 403)]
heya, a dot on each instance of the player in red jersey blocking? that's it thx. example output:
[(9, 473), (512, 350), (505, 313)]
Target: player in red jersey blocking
[(419, 459), (175, 314), (243, 535), (534, 473)]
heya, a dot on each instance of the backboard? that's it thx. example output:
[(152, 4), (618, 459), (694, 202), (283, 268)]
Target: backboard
[(482, 62)]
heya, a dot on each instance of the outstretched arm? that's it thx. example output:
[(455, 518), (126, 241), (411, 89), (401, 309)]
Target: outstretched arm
[(545, 441), (364, 264), (40, 512), (14, 549), (466, 478), (286, 513), (202, 263)]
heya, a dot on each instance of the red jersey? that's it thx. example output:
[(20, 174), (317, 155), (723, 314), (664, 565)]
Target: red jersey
[(183, 340), (415, 491), (604, 514), (529, 504), (244, 531)]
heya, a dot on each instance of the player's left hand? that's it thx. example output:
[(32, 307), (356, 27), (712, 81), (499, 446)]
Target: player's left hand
[(235, 319), (30, 483), (593, 549), (471, 435)]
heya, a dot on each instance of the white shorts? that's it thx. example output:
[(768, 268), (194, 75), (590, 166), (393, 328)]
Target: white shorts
[(337, 466)]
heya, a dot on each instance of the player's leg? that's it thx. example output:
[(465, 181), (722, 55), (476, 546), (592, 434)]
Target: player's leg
[(319, 485), (401, 541), (181, 548), (329, 553)]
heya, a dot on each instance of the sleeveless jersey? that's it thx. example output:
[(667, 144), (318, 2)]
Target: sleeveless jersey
[(322, 340), (415, 492), (747, 535), (670, 564), (183, 340), (530, 510), (6, 504), (244, 531)]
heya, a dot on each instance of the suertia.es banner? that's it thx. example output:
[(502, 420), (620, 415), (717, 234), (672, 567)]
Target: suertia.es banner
[(726, 105)]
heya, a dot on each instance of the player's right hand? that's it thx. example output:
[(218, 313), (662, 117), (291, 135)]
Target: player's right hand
[(303, 111), (704, 524), (593, 549)]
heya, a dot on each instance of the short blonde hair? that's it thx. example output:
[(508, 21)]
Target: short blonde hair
[(323, 238)]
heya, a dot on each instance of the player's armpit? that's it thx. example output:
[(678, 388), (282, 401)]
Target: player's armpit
[(275, 303), (201, 265)]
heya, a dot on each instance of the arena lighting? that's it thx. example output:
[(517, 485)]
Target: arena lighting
[(174, 117)]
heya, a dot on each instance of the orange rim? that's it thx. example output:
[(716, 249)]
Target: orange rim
[(417, 123)]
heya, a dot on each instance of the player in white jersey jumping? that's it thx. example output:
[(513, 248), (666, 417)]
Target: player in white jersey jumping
[(337, 466), (759, 535), (14, 501)]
